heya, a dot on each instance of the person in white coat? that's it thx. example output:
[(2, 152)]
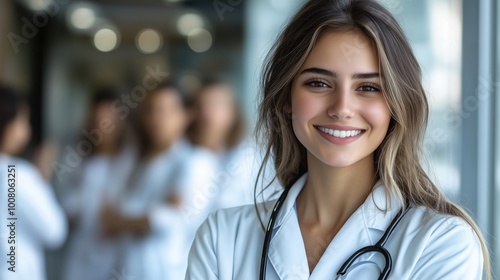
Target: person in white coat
[(97, 182), (147, 220), (343, 114), (32, 220), (215, 131), (221, 169)]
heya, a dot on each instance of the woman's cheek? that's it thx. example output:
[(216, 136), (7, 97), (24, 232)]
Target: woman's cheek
[(378, 116), (306, 106)]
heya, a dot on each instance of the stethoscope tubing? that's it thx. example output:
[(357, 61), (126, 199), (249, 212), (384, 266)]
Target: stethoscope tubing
[(378, 247), (267, 238)]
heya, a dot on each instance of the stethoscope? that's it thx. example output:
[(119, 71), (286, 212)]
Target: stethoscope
[(377, 248)]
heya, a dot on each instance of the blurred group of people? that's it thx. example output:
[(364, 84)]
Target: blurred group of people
[(134, 203)]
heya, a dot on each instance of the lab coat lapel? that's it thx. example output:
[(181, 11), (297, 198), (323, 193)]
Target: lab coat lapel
[(286, 251), (378, 211)]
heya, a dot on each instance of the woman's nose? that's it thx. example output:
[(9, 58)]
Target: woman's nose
[(341, 105)]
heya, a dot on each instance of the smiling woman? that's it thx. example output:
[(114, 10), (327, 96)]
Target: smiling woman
[(347, 88), (343, 114)]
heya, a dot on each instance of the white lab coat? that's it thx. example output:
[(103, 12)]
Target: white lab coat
[(425, 245), (91, 255), (158, 254), (40, 224)]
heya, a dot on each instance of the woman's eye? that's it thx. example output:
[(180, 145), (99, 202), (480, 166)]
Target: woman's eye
[(368, 88), (317, 84)]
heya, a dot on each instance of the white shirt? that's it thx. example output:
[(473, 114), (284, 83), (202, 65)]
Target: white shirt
[(240, 169), (40, 223), (212, 180), (425, 245), (91, 255), (158, 254)]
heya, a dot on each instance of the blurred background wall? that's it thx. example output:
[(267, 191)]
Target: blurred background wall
[(58, 51), (5, 13)]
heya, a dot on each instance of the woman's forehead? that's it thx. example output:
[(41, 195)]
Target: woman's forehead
[(343, 51)]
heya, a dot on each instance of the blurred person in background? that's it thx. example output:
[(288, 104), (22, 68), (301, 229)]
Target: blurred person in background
[(98, 181), (148, 219), (222, 169), (40, 223), (215, 131)]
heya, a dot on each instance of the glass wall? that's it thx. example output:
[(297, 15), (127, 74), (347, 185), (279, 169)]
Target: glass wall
[(496, 121), (434, 29)]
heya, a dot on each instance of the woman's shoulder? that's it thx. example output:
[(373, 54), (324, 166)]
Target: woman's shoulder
[(230, 221), (25, 169), (221, 241), (242, 215), (432, 219), (419, 218), (438, 246), (17, 162), (442, 228)]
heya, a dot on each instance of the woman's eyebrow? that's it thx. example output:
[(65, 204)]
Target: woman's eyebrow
[(365, 75), (325, 72), (320, 71)]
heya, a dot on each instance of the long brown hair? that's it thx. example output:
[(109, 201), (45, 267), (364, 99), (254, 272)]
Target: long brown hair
[(398, 157)]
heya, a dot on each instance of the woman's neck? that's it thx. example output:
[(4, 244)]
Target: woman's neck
[(331, 195), (212, 141), (108, 148), (158, 149)]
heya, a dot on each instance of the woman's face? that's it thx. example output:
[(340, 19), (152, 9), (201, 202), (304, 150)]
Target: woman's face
[(215, 110), (165, 117), (102, 116), (17, 133), (338, 111)]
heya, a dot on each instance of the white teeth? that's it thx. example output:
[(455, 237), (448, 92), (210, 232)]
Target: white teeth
[(340, 133)]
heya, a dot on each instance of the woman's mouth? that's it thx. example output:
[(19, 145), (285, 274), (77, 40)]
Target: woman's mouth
[(340, 133)]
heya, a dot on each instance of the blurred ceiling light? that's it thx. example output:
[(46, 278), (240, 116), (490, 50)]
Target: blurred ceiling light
[(199, 40), (189, 22), (106, 39), (148, 41), (39, 5), (82, 17)]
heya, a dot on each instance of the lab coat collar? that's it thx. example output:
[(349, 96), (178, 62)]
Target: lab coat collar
[(287, 251), (289, 202), (378, 208)]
